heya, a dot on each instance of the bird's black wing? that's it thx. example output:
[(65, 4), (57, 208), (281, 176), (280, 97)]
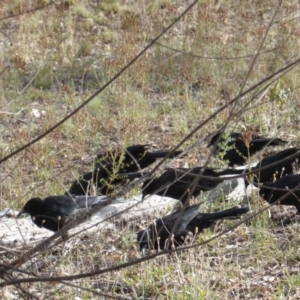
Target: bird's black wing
[(108, 159), (281, 169), (62, 205), (280, 189), (269, 141), (164, 225), (81, 185), (142, 159), (278, 156), (290, 181), (89, 201), (202, 221)]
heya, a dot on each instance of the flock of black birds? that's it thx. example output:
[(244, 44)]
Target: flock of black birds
[(274, 175)]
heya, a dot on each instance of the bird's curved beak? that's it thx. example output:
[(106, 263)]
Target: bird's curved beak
[(20, 213)]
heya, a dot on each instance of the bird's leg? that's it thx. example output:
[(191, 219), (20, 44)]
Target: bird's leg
[(169, 243), (144, 253), (195, 234)]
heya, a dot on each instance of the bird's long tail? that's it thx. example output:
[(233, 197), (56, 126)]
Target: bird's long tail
[(227, 213), (231, 172), (162, 154), (277, 142), (270, 142), (133, 175)]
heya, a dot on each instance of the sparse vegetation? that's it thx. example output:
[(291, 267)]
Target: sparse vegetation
[(58, 56)]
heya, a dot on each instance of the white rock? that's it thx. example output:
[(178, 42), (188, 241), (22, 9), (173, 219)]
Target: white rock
[(230, 189), (19, 232), (153, 205)]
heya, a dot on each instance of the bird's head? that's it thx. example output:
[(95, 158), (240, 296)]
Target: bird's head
[(213, 139), (31, 207)]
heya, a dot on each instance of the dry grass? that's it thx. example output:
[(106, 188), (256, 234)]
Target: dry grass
[(63, 53)]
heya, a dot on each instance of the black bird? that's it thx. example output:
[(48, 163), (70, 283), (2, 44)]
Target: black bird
[(287, 167), (191, 222), (110, 166), (242, 145), (54, 212), (175, 182), (271, 192)]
